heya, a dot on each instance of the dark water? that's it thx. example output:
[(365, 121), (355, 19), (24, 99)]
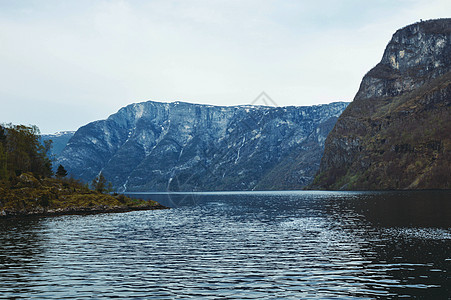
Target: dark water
[(238, 245)]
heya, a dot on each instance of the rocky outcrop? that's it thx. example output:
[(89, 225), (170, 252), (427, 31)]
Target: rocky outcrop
[(179, 146), (396, 132)]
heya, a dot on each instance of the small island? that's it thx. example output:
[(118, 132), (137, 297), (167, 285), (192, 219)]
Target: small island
[(29, 188)]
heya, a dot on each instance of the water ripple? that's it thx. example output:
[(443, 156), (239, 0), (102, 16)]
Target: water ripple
[(271, 246)]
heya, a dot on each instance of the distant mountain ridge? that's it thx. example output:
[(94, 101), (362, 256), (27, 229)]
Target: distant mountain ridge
[(152, 146), (59, 139), (396, 134)]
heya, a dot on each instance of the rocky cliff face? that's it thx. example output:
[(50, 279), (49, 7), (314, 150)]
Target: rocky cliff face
[(396, 134), (178, 146)]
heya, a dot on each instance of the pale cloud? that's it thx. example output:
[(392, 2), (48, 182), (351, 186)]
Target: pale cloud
[(65, 63)]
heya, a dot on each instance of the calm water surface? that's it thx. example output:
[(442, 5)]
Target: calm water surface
[(275, 245)]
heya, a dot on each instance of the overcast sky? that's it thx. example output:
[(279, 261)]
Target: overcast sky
[(66, 63)]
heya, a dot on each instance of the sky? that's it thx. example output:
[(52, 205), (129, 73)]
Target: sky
[(64, 64)]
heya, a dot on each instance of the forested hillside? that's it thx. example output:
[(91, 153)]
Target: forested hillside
[(27, 186), (21, 151)]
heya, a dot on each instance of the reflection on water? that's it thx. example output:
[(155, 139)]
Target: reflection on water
[(238, 245), (21, 248)]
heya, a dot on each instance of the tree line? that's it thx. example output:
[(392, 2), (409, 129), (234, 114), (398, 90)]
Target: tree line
[(21, 151)]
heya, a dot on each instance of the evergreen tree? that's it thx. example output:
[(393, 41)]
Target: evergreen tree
[(3, 164), (109, 188), (2, 135), (99, 183), (61, 172), (94, 182), (24, 151)]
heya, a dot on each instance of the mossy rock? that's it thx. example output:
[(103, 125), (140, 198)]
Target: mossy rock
[(27, 180)]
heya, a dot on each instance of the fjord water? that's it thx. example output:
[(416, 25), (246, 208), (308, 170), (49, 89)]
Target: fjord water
[(251, 245)]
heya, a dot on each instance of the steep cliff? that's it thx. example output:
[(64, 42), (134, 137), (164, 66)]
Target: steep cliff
[(396, 134), (178, 146)]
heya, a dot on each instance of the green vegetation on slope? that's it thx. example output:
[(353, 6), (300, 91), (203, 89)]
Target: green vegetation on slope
[(26, 186), (21, 151), (404, 142)]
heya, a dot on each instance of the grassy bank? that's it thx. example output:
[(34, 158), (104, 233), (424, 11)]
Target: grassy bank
[(28, 195)]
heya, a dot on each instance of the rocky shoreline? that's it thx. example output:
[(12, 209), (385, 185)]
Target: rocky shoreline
[(100, 209), (28, 196)]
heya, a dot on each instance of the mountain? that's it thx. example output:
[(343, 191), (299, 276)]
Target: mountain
[(396, 134), (59, 139), (179, 146)]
